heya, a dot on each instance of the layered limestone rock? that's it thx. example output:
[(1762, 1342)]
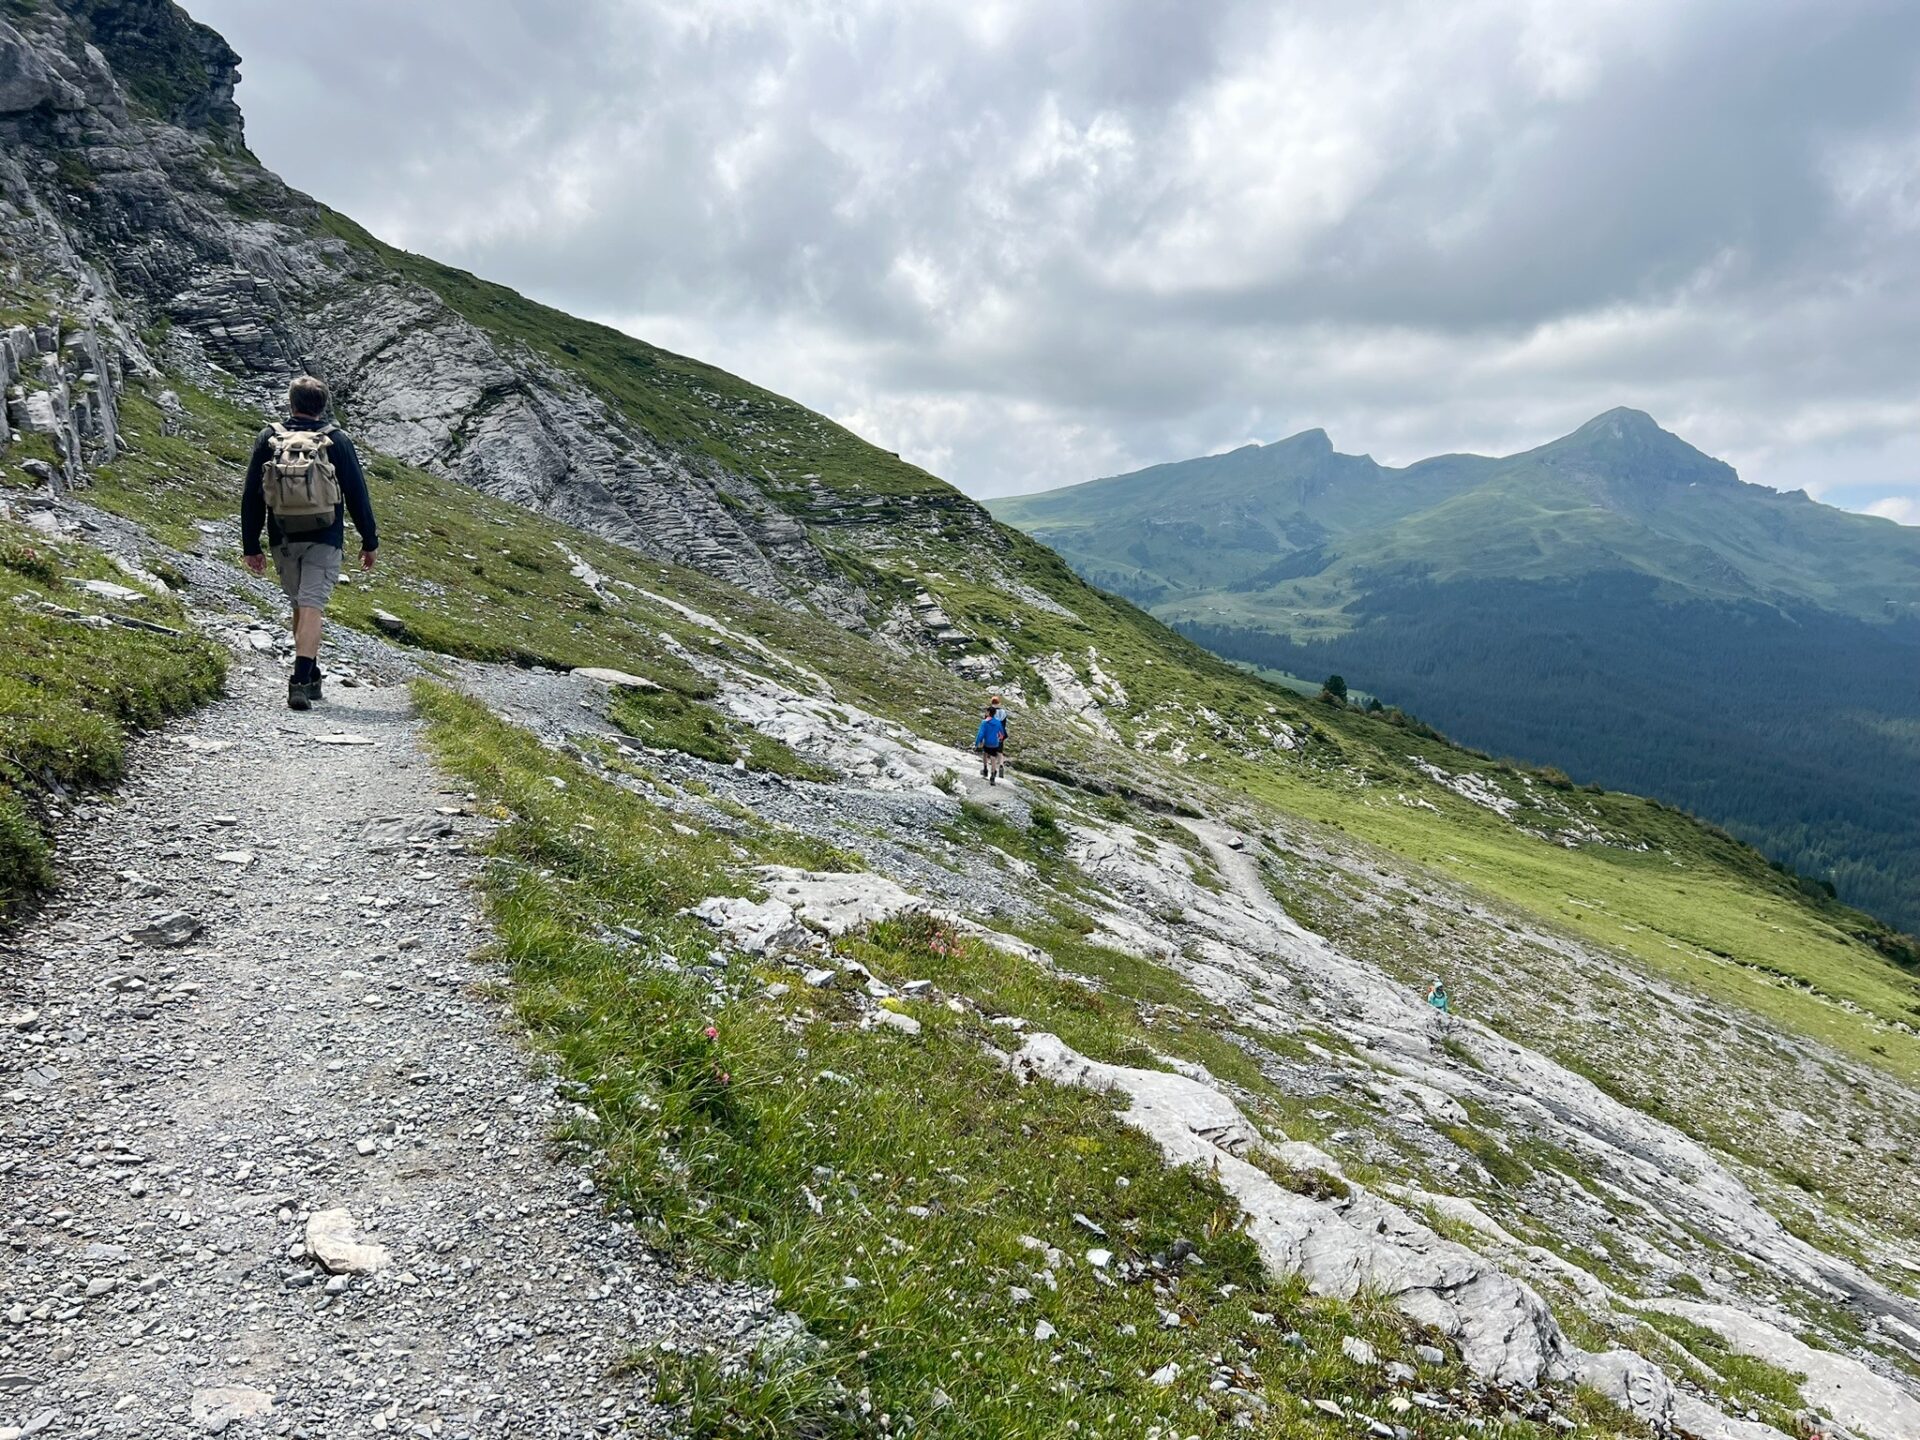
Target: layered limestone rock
[(1340, 1247), (1866, 1403), (62, 384)]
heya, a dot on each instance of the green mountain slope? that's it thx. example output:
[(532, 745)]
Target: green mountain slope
[(1614, 602), (1618, 493)]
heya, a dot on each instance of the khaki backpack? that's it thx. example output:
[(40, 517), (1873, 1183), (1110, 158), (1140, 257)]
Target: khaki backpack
[(298, 480)]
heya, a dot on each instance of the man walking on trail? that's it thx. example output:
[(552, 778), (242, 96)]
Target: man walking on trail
[(303, 480), (990, 739)]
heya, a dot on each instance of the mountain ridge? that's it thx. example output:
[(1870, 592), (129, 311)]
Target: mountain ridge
[(1622, 437), (1331, 563)]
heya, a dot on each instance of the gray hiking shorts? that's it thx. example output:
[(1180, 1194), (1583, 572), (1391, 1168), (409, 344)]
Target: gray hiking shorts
[(308, 571)]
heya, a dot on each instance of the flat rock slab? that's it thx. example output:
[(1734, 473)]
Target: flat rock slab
[(218, 1406), (617, 678), (333, 1240), (1868, 1404), (765, 927), (396, 832), (171, 930)]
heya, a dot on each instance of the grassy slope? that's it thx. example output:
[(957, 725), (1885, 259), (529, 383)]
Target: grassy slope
[(72, 689), (1678, 909), (71, 692), (882, 1189), (478, 577)]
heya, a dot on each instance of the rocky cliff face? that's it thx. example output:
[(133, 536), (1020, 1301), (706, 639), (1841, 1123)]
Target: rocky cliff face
[(129, 199)]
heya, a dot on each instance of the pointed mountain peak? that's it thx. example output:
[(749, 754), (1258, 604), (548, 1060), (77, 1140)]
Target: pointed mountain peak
[(1625, 432), (1307, 442), (1620, 422), (1626, 459)]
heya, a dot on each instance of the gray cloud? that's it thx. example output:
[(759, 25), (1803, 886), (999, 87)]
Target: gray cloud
[(1029, 243)]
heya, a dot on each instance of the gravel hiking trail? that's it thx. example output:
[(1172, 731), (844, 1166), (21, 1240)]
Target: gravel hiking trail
[(248, 1028)]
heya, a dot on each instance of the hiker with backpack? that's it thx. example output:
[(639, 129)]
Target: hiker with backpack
[(990, 740), (303, 480)]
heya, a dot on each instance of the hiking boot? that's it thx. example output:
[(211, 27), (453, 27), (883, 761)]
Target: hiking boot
[(298, 697), (313, 685)]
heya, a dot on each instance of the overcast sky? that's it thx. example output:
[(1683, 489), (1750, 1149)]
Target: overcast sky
[(1026, 244)]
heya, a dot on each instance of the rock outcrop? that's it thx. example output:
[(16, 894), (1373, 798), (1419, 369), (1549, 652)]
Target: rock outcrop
[(1341, 1247), (129, 200)]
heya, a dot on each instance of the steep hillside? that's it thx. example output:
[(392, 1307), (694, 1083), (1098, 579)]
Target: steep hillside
[(1105, 1102), (1616, 603)]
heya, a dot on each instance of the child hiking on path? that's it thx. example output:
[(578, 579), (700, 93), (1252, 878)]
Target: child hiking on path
[(303, 480), (990, 740)]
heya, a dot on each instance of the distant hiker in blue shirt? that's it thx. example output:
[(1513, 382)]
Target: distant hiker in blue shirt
[(1437, 998), (990, 739)]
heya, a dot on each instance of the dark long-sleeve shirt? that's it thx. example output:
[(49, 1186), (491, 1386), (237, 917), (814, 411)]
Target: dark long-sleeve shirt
[(353, 494)]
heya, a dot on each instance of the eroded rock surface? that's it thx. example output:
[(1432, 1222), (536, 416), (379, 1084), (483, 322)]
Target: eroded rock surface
[(162, 225)]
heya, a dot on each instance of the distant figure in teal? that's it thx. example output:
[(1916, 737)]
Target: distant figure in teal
[(1437, 998)]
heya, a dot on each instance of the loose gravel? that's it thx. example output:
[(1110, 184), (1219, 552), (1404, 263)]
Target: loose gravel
[(303, 1030)]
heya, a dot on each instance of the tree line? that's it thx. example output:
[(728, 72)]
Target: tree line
[(1797, 731)]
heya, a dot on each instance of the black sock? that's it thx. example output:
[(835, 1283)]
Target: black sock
[(303, 669)]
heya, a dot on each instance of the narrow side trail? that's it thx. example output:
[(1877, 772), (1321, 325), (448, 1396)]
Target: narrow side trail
[(171, 1115)]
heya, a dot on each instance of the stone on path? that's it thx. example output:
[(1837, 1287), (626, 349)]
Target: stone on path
[(173, 929), (336, 1244), (218, 1406), (396, 832)]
